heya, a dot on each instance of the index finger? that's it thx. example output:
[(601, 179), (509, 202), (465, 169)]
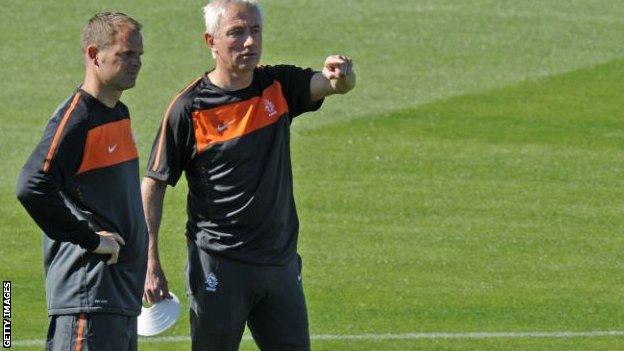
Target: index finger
[(334, 60), (150, 296), (341, 58)]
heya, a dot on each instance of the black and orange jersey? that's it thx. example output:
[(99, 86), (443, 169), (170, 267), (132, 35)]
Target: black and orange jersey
[(234, 148), (83, 177)]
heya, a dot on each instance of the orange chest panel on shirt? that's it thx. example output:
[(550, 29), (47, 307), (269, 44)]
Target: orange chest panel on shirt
[(223, 123), (108, 145)]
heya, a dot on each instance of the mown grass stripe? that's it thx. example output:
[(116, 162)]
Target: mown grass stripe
[(405, 336)]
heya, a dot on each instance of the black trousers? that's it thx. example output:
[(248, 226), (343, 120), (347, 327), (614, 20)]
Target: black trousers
[(225, 294), (92, 332)]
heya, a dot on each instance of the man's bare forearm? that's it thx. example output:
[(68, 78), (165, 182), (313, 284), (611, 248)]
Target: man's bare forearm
[(153, 194)]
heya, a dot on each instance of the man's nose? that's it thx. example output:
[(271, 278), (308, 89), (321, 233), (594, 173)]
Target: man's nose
[(249, 40)]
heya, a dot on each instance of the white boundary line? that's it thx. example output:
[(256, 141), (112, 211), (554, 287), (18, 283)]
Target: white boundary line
[(406, 336)]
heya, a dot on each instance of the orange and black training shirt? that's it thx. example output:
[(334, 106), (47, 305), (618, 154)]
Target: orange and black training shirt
[(234, 148), (83, 177)]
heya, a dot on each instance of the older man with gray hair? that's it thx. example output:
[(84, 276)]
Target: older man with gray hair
[(229, 132)]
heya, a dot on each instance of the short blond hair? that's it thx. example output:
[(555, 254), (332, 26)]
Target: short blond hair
[(103, 27)]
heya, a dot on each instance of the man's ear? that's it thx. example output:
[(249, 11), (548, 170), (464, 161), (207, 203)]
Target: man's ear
[(209, 39), (91, 54)]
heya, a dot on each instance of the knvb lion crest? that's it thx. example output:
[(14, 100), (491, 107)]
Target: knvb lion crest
[(212, 282), (269, 107)]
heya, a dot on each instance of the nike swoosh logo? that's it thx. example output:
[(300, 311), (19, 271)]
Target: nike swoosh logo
[(223, 126), (111, 148)]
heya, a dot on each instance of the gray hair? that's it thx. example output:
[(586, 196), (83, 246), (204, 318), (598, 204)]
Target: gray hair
[(103, 27), (214, 11)]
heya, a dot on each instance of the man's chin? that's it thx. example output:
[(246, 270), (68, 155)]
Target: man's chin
[(248, 65), (245, 68), (126, 85)]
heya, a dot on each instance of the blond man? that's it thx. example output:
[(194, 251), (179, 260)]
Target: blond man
[(81, 186)]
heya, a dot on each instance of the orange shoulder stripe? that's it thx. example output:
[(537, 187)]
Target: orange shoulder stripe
[(226, 122), (107, 145), (163, 127), (59, 132)]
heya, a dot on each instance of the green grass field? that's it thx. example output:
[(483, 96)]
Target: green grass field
[(472, 183)]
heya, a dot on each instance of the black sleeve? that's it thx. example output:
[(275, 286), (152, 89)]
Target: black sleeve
[(39, 186), (295, 83), (173, 145)]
